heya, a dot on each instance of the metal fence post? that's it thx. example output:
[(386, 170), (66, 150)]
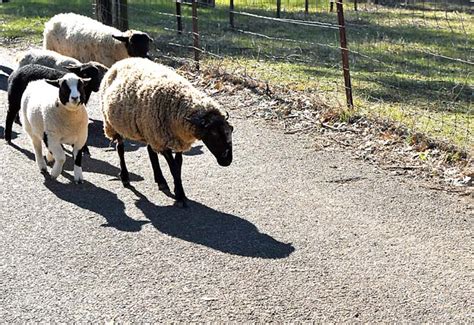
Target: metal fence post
[(331, 5), (345, 53), (355, 5), (178, 17), (195, 33), (278, 8), (231, 13), (306, 6)]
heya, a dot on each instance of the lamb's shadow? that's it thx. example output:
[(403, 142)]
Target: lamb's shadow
[(27, 153), (95, 199), (2, 133), (5, 72), (89, 165), (97, 138), (208, 227)]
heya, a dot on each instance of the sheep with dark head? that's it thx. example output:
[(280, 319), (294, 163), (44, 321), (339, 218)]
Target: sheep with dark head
[(20, 78), (87, 39), (148, 102)]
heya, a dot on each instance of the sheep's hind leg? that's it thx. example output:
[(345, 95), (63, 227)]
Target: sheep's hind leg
[(155, 164), (175, 168), (11, 116), (59, 157), (37, 146), (123, 168)]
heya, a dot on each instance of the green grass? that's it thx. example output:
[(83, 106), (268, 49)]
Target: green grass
[(392, 74)]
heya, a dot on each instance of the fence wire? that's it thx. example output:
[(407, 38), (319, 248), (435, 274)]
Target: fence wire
[(410, 60)]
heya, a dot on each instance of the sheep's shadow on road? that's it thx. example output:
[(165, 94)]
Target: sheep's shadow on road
[(98, 200), (195, 151), (89, 164), (2, 133), (4, 73), (97, 138), (211, 228)]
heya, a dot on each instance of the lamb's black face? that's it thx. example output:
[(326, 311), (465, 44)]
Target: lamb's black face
[(71, 90), (216, 133)]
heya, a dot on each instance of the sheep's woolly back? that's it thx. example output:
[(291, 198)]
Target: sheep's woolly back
[(149, 102), (83, 38), (46, 58)]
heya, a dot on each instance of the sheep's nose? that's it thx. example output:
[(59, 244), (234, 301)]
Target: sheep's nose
[(74, 98)]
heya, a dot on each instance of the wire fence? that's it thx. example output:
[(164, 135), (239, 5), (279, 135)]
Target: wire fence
[(410, 60)]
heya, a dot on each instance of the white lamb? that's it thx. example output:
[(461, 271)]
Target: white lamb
[(56, 117), (87, 39)]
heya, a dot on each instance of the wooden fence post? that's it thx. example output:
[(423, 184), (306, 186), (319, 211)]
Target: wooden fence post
[(331, 5), (355, 5), (278, 8), (306, 6), (103, 11), (178, 17), (195, 33), (345, 53), (231, 13), (122, 14)]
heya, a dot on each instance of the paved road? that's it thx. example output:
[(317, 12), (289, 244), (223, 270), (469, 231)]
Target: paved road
[(274, 237)]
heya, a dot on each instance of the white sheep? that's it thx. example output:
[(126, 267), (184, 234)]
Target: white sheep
[(87, 39), (46, 58), (56, 116), (149, 102)]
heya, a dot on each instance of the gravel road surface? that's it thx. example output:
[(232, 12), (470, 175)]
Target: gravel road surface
[(286, 233)]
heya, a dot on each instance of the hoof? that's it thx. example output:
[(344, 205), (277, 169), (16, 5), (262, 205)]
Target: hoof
[(125, 179), (181, 204), (44, 171), (163, 187), (9, 142), (79, 181), (86, 151)]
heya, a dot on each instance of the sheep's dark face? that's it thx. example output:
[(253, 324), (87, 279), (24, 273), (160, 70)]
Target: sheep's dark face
[(71, 90), (137, 43), (92, 70), (216, 133)]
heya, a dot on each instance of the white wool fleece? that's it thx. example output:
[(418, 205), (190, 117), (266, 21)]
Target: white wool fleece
[(83, 38), (46, 119)]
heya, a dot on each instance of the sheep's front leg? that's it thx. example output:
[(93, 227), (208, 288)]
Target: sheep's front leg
[(37, 146), (175, 168), (59, 157), (155, 164), (124, 176), (78, 178)]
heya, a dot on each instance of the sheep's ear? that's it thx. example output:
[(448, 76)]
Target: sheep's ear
[(55, 83), (198, 121), (85, 80), (121, 38), (74, 68)]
